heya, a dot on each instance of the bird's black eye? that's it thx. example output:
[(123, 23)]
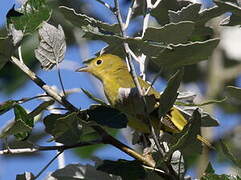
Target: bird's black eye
[(99, 61)]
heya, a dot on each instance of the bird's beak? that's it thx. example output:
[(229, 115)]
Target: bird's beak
[(82, 69)]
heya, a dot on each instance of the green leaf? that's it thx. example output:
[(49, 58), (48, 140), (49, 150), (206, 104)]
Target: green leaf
[(87, 152), (107, 116), (82, 20), (79, 171), (170, 94), (92, 97), (136, 44), (230, 7), (126, 169), (20, 113), (65, 128), (34, 13), (185, 54), (188, 13), (208, 121), (187, 139), (17, 127), (209, 169), (229, 155), (200, 104), (6, 106), (161, 11), (6, 50), (234, 92), (233, 20), (20, 127), (173, 33)]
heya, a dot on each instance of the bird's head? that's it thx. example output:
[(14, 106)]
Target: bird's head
[(104, 65)]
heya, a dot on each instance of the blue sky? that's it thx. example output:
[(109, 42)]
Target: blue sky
[(10, 166)]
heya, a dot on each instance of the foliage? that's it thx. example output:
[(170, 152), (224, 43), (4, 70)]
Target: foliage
[(179, 39)]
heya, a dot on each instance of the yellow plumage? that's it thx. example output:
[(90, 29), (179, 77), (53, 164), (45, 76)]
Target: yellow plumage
[(112, 71)]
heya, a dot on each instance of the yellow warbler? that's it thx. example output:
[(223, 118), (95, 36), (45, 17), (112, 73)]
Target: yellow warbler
[(112, 71)]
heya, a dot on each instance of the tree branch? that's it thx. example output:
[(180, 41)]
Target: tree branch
[(106, 138), (48, 148)]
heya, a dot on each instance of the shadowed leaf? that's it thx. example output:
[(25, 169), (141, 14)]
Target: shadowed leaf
[(169, 96), (107, 116), (65, 128), (126, 169)]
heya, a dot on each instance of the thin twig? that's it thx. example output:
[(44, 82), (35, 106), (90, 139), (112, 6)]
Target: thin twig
[(51, 92), (107, 139), (49, 148), (47, 165), (105, 4), (147, 16), (43, 106), (156, 4), (24, 100), (137, 84), (130, 13), (60, 79), (126, 47), (20, 54)]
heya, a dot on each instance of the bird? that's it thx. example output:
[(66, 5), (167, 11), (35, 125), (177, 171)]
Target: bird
[(113, 73)]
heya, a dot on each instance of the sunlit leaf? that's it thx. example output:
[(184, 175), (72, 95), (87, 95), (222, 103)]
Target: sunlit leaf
[(21, 126), (34, 13), (52, 47)]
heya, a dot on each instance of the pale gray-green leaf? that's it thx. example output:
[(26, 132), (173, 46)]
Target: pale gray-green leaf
[(188, 13), (234, 92), (230, 155), (172, 33), (185, 54), (136, 44), (79, 171), (161, 11), (52, 47), (82, 20)]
